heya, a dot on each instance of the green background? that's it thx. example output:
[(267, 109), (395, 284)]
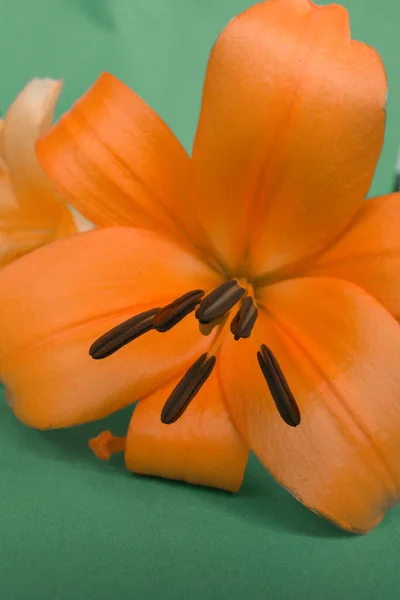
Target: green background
[(72, 527)]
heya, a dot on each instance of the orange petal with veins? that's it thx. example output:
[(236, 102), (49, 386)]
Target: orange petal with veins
[(29, 117), (31, 213), (290, 131), (368, 252), (57, 301), (118, 163), (340, 353)]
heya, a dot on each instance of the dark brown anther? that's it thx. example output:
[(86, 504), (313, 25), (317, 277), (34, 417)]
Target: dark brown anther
[(278, 386), (171, 314), (219, 302), (244, 320), (187, 389), (122, 334)]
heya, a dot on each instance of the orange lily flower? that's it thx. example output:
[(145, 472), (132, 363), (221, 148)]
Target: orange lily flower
[(293, 350), (31, 211)]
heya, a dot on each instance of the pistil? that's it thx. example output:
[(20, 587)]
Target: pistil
[(106, 444)]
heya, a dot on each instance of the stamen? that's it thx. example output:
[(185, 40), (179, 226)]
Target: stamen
[(172, 313), (187, 389), (106, 444), (219, 301), (278, 386), (244, 320), (122, 334)]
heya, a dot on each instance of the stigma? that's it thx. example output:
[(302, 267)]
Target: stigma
[(209, 309)]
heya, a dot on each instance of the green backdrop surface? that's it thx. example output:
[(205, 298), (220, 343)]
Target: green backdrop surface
[(72, 527)]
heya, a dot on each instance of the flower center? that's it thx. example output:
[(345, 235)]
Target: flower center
[(212, 310)]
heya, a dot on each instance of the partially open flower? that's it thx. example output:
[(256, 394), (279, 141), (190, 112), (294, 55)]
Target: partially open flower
[(31, 211), (251, 296)]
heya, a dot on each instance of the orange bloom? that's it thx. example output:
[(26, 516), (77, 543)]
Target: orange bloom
[(31, 212), (271, 206)]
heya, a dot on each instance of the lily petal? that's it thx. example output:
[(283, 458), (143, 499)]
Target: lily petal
[(57, 301), (202, 447), (290, 130), (30, 116), (340, 352), (17, 236), (31, 213), (20, 232), (368, 253), (118, 163)]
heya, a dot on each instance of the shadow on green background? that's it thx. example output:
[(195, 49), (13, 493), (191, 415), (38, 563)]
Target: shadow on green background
[(72, 527)]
